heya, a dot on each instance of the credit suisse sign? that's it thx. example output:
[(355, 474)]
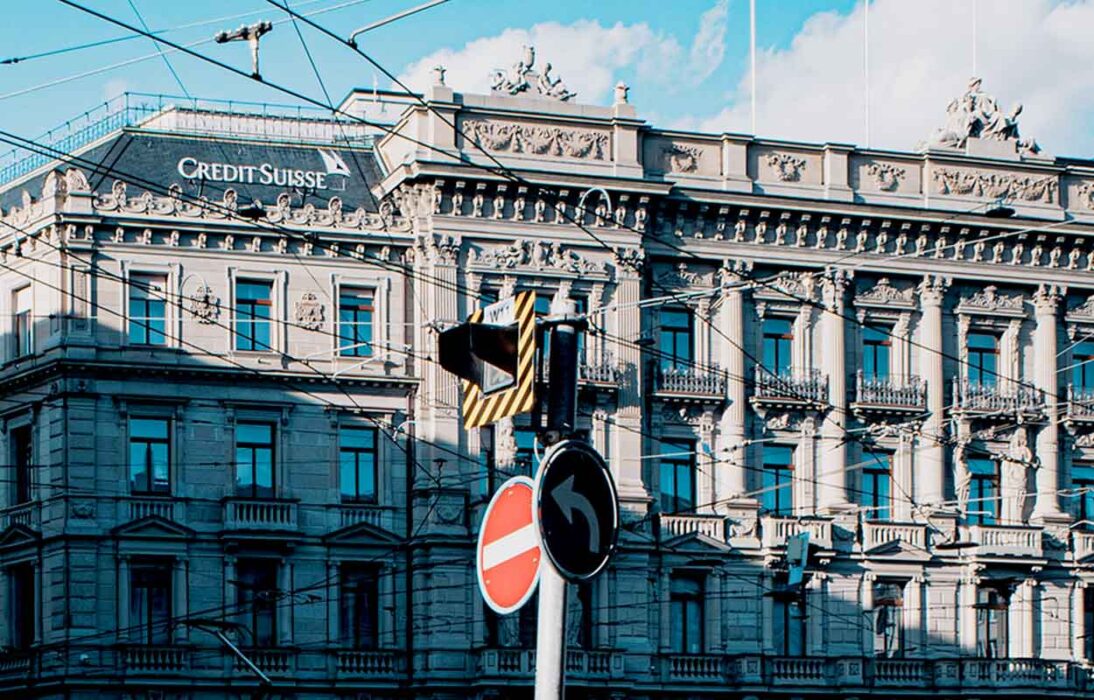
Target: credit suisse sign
[(333, 176)]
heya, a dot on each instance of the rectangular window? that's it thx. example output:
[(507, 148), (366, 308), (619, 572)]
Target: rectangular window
[(1082, 484), (983, 359), (888, 618), (23, 606), (877, 473), (583, 630), (22, 321), (677, 465), (257, 597), (355, 319), (992, 613), (255, 460), (581, 307), (778, 480), (1088, 624), (147, 309), (526, 460), (253, 313), (788, 625), (21, 446), (876, 345), (1082, 366), (357, 463), (686, 614), (359, 593), (677, 332), (983, 491), (149, 455), (150, 602), (778, 337), (541, 308)]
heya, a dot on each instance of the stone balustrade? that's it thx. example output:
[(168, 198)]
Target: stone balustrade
[(275, 662), (354, 513), (255, 514), (806, 386), (1080, 403), (1082, 544), (507, 662), (593, 665), (1003, 540), (28, 515), (369, 663), (155, 659), (797, 670), (137, 508), (713, 526), (695, 667), (876, 534), (991, 398), (777, 530)]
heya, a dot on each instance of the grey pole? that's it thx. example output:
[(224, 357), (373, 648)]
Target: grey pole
[(561, 419)]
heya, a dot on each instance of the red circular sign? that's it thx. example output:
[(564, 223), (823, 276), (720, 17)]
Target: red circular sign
[(508, 556)]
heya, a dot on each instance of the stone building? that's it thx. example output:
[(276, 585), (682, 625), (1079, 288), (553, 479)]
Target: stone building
[(223, 419)]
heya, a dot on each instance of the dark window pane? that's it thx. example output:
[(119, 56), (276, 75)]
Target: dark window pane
[(358, 597), (149, 455), (253, 307), (254, 460), (357, 461), (21, 449), (24, 606), (778, 478), (150, 602), (257, 596), (355, 319), (677, 476)]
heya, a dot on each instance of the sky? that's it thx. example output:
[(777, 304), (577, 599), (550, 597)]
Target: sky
[(686, 61)]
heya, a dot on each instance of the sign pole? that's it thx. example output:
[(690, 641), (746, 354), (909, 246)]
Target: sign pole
[(561, 417)]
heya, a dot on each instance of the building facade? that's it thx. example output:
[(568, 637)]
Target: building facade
[(224, 420)]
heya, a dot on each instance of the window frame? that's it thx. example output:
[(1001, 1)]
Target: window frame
[(1082, 370), (272, 445), (1082, 477), (779, 483), (679, 464), (253, 603), (253, 321), (131, 315), (976, 365), (895, 615), (880, 505), (778, 342), (358, 349), (352, 578), (979, 481), (790, 632), (144, 622), (356, 451), (681, 604), (22, 322), (681, 336), (22, 605), (992, 622), (22, 483), (148, 442), (876, 344)]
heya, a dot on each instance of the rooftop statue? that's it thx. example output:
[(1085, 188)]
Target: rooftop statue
[(521, 78), (976, 114)]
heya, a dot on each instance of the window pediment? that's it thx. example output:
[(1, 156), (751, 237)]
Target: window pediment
[(990, 302)]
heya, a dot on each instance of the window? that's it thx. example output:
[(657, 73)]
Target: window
[(147, 310), (355, 317), (22, 321), (357, 463), (983, 491), (526, 461), (876, 480), (778, 337), (1082, 483), (541, 308), (686, 614), (1088, 624), (254, 460), (992, 613), (677, 464), (1082, 367), (581, 307), (583, 625), (149, 455), (358, 605), (253, 312), (256, 598), (23, 606), (788, 624), (983, 358), (778, 480), (875, 354), (21, 445), (888, 618), (677, 330), (150, 602)]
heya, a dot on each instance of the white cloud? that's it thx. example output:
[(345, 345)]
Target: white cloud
[(585, 54), (1034, 51)]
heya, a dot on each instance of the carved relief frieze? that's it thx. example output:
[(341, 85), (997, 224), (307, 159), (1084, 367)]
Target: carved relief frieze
[(678, 158), (886, 176), (534, 256), (974, 183), (309, 312), (785, 167), (989, 300), (682, 277), (885, 294), (534, 139)]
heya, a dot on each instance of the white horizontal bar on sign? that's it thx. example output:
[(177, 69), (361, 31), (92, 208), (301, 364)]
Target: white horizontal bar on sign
[(512, 545)]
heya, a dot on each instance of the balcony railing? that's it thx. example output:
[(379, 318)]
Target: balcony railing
[(1082, 544), (139, 507), (797, 670), (606, 372), (1080, 403), (507, 662), (908, 392), (990, 398), (27, 514), (713, 526), (370, 664), (593, 664), (1002, 540), (878, 534), (156, 659), (804, 386), (690, 381), (900, 672), (695, 667), (253, 514), (777, 530), (375, 515), (276, 662)]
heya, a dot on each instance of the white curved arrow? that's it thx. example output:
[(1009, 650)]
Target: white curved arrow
[(569, 500)]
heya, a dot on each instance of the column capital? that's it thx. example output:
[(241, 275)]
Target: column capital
[(732, 272), (1047, 298), (932, 290), (834, 284), (629, 262)]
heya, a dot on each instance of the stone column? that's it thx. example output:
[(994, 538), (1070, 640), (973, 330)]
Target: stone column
[(831, 468), (1078, 620), (732, 473), (285, 606), (914, 619), (123, 597), (180, 599), (334, 634), (967, 612), (1046, 302), (932, 456), (868, 580), (627, 442)]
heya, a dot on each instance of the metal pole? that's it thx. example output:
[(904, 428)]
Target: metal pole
[(561, 419)]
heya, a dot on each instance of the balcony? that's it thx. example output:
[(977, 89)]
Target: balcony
[(794, 388), (975, 397), (690, 384), (713, 526), (889, 395), (1013, 673), (507, 663), (1080, 404), (702, 668), (377, 516), (137, 508), (797, 670), (369, 664), (899, 673), (1006, 541), (593, 665), (877, 534), (245, 514), (155, 659), (28, 514), (273, 662), (777, 530), (1082, 545), (604, 374)]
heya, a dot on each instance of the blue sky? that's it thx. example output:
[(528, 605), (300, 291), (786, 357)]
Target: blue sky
[(685, 60)]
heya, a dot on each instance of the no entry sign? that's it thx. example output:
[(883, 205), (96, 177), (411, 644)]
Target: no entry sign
[(509, 556)]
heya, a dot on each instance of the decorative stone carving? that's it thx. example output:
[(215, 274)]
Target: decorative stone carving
[(441, 250), (677, 158), (534, 255), (631, 259), (976, 114), (886, 176), (309, 312), (76, 181), (1004, 186), (682, 277), (787, 168), (884, 294), (205, 305), (1084, 311), (989, 299), (512, 137), (1086, 195), (522, 78)]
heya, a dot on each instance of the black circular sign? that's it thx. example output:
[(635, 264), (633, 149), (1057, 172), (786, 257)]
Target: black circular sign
[(578, 509)]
